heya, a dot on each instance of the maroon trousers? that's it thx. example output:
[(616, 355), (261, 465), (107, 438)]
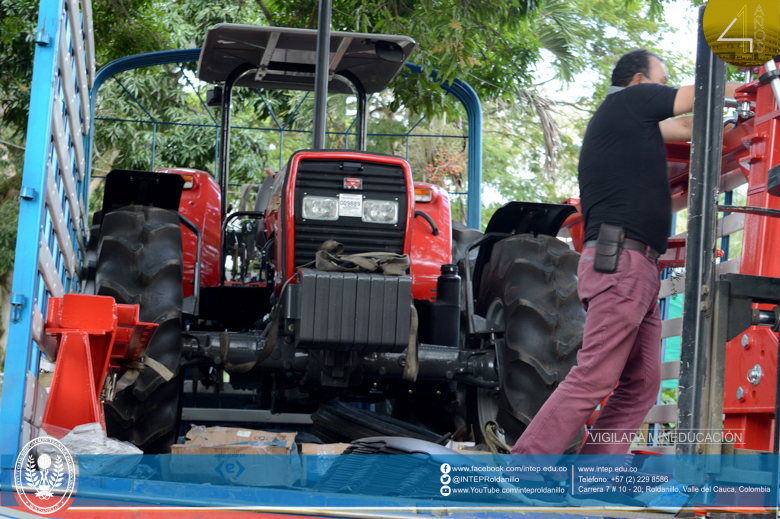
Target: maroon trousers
[(621, 345)]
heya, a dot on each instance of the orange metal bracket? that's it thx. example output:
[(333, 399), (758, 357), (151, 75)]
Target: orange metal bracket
[(93, 332)]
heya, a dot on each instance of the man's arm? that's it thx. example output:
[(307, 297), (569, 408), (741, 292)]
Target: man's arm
[(680, 129), (731, 88), (677, 130), (683, 102)]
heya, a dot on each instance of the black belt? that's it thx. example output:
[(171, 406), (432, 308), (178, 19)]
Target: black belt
[(632, 245)]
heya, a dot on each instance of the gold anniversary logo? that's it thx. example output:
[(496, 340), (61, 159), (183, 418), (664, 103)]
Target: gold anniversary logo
[(745, 33)]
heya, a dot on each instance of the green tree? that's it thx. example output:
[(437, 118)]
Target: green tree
[(531, 142)]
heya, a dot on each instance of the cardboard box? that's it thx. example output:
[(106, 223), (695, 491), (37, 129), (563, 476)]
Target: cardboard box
[(221, 436), (233, 456), (316, 459)]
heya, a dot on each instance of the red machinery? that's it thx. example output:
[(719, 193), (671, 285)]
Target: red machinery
[(200, 203), (94, 335), (754, 412)]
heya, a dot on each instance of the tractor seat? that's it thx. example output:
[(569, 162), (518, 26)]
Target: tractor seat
[(261, 204), (264, 194)]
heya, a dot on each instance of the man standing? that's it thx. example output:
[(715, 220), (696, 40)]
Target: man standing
[(623, 185)]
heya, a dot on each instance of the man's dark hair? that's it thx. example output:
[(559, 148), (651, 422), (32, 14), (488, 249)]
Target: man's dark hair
[(637, 60)]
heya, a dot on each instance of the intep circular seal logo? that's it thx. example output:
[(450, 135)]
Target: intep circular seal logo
[(44, 476), (745, 33)]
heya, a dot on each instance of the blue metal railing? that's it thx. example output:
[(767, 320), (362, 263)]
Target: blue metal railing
[(470, 101), (52, 229)]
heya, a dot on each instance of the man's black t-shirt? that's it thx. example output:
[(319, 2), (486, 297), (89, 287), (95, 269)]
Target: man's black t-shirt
[(622, 171)]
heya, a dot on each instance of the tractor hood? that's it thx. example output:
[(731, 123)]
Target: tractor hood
[(286, 57)]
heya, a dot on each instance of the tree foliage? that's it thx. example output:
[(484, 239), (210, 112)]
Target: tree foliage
[(9, 219), (501, 48)]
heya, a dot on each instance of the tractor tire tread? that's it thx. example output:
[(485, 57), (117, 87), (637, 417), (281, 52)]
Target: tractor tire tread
[(535, 278), (139, 261)]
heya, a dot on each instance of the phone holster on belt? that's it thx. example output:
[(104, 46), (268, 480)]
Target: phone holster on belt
[(608, 248)]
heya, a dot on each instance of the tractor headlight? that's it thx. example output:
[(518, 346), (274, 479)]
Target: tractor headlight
[(380, 211), (320, 208)]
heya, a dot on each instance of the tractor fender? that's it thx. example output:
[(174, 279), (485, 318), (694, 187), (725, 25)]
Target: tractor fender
[(430, 251), (149, 188), (197, 198), (529, 218), (200, 204), (511, 218)]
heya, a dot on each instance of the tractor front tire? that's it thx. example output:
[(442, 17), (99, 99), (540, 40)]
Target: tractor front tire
[(139, 261), (530, 288)]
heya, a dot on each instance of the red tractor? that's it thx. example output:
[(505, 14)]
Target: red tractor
[(453, 325)]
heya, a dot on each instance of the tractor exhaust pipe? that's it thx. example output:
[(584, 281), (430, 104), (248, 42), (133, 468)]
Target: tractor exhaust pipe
[(321, 76)]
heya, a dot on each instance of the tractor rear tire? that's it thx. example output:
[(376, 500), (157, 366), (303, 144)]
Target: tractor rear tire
[(90, 263), (139, 261), (530, 288)]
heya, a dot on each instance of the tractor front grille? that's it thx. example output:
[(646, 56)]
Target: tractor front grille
[(326, 178), (308, 238)]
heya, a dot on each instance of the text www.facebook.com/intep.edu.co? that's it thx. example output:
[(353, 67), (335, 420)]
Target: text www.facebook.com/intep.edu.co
[(481, 479)]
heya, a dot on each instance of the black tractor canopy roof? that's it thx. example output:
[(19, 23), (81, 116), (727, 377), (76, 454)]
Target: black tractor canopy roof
[(286, 57)]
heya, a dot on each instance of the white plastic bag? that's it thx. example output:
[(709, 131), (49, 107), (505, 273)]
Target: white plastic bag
[(98, 455)]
